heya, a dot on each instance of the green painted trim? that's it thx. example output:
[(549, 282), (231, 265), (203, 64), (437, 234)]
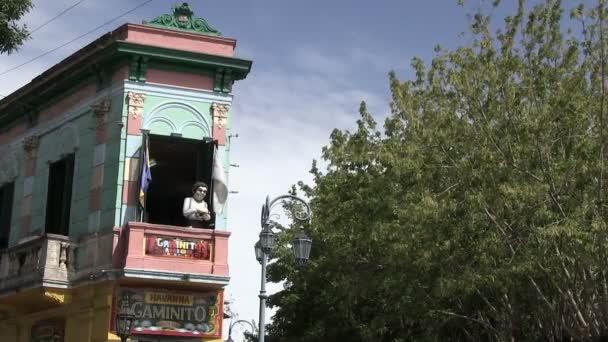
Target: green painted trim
[(183, 19), (32, 98), (133, 68), (180, 67), (217, 85), (240, 67), (143, 69)]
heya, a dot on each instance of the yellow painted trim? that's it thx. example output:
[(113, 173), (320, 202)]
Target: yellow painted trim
[(112, 337), (60, 297)]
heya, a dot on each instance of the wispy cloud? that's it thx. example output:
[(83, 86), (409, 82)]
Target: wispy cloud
[(283, 119)]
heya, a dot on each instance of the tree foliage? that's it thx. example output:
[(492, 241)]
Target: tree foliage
[(479, 211), (12, 34)]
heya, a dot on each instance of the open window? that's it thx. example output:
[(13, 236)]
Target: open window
[(176, 164), (6, 208), (59, 198)]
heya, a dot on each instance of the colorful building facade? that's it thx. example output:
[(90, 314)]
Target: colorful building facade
[(78, 241)]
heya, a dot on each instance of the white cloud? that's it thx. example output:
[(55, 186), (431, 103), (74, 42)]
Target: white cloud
[(283, 119), (284, 112)]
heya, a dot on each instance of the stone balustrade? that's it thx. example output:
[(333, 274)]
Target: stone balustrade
[(46, 261)]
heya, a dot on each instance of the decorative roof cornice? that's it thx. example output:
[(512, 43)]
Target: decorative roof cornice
[(183, 19)]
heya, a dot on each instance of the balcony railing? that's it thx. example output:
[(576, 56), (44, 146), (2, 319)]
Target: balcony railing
[(47, 261), (164, 252)]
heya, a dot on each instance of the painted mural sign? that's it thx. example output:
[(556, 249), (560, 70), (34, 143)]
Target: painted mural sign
[(178, 247), (171, 313), (50, 331)]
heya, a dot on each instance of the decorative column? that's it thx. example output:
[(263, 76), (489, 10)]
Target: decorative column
[(136, 110), (130, 188), (30, 146), (220, 121), (100, 116)]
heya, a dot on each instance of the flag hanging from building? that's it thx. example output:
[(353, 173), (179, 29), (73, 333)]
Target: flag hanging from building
[(220, 188), (146, 175)]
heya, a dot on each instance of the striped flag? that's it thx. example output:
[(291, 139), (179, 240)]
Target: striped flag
[(146, 175)]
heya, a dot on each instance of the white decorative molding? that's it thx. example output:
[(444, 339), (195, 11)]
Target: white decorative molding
[(162, 90), (220, 114), (159, 114), (177, 93), (136, 104)]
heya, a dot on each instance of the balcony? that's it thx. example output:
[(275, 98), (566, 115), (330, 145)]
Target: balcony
[(45, 261), (170, 253)]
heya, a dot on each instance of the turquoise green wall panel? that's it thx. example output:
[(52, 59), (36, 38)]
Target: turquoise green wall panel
[(108, 199), (81, 187), (121, 173), (122, 148), (193, 132), (108, 218), (80, 210), (16, 214), (133, 145), (111, 175), (160, 128), (164, 116)]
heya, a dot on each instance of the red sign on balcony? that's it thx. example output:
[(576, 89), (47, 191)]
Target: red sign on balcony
[(178, 247)]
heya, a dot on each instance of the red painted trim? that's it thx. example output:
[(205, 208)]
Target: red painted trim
[(101, 134), (95, 199), (30, 167), (26, 222), (134, 125), (180, 79), (219, 134)]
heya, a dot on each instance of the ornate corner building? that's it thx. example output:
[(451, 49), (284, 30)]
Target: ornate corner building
[(81, 236)]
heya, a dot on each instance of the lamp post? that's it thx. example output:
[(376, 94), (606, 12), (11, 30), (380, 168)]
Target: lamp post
[(235, 323), (263, 248), (124, 320)]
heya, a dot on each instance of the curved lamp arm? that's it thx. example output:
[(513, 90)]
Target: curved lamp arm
[(237, 322), (303, 215)]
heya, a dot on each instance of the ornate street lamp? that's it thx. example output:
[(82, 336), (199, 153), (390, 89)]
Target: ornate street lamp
[(258, 251), (124, 321), (301, 246), (240, 321)]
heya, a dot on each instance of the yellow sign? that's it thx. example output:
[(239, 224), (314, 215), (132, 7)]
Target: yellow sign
[(168, 298)]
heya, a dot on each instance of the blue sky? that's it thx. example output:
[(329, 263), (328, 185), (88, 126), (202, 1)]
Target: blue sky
[(314, 61)]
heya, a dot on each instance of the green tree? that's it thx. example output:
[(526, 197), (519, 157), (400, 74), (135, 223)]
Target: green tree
[(13, 35), (479, 211)]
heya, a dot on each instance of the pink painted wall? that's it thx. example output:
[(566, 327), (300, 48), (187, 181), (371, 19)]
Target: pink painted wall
[(121, 74), (12, 134), (55, 110), (179, 79), (146, 35), (67, 102)]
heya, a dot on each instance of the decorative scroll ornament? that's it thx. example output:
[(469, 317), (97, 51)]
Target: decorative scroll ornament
[(101, 110), (182, 19), (56, 297), (136, 104), (220, 114), (30, 144)]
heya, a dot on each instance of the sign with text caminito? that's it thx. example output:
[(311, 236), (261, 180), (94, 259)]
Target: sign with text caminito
[(178, 247), (170, 313)]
